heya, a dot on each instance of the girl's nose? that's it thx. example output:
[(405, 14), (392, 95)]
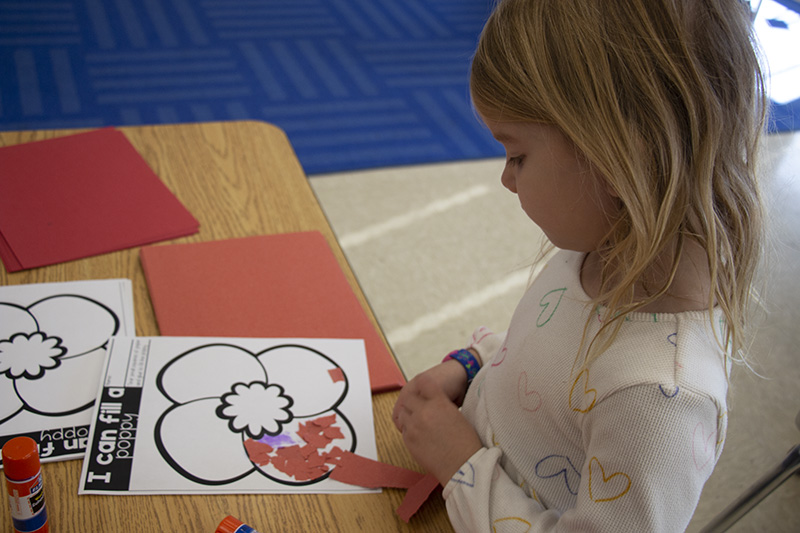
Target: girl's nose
[(508, 180)]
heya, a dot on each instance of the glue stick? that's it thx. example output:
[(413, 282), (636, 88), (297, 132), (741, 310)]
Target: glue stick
[(230, 524), (24, 482)]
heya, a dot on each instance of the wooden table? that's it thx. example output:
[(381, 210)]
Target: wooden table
[(238, 179)]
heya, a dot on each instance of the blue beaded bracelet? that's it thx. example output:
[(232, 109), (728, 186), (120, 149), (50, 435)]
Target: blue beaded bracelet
[(467, 360)]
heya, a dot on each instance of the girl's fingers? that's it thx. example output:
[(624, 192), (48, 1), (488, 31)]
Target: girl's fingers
[(396, 415)]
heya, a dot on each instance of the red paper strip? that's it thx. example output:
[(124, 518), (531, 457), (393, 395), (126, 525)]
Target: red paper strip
[(357, 470), (416, 496)]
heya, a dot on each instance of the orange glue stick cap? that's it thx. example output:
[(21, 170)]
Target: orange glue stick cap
[(20, 458), (230, 524)]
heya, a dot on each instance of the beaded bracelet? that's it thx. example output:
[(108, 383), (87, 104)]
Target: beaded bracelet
[(467, 360)]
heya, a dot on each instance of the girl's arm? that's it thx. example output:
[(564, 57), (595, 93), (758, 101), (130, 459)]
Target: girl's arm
[(435, 432), (648, 454), (426, 412)]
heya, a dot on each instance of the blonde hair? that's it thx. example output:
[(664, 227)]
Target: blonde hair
[(665, 98)]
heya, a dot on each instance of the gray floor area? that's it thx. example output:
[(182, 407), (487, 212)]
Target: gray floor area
[(442, 249)]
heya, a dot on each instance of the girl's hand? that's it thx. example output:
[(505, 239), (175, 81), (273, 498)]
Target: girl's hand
[(434, 430), (450, 376)]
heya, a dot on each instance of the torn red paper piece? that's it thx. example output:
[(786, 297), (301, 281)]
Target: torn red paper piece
[(290, 453), (324, 421), (333, 433), (302, 462), (293, 461), (416, 496), (308, 450), (258, 452), (336, 374), (318, 433), (312, 435), (334, 456)]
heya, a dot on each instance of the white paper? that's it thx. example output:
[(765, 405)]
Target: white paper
[(53, 339), (177, 415)]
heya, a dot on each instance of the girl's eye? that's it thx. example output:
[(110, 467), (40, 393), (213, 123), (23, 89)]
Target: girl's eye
[(514, 161)]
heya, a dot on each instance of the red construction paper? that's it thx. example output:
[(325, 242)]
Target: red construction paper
[(286, 285), (416, 496), (258, 452), (299, 463), (316, 436), (311, 461), (302, 462), (81, 195), (337, 374), (357, 470)]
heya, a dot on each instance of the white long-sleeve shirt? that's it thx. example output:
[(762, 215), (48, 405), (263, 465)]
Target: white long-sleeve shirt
[(623, 446)]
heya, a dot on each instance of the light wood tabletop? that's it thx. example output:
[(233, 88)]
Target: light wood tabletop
[(238, 179)]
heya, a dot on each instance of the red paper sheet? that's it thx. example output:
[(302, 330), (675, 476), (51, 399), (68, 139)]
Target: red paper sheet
[(81, 195), (287, 285)]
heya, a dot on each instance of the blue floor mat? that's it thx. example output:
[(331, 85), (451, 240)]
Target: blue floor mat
[(354, 83)]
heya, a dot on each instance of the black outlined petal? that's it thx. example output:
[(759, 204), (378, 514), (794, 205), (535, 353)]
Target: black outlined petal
[(198, 445), (208, 371), (67, 316), (299, 369)]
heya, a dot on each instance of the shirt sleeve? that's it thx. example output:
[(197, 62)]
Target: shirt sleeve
[(487, 343), (648, 453)]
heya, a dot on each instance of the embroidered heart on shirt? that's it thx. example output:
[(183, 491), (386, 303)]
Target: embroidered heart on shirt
[(549, 304), (479, 334), (671, 394), (554, 466), (582, 399), (703, 446), (604, 488), (465, 476), (529, 400), (673, 339), (501, 356), (511, 524)]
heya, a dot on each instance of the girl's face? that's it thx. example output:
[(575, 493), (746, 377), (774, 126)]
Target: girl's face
[(557, 189)]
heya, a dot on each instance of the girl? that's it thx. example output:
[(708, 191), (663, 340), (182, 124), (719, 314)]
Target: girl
[(630, 129)]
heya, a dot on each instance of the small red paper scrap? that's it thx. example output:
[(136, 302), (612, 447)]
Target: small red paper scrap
[(297, 462), (258, 452), (304, 462)]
